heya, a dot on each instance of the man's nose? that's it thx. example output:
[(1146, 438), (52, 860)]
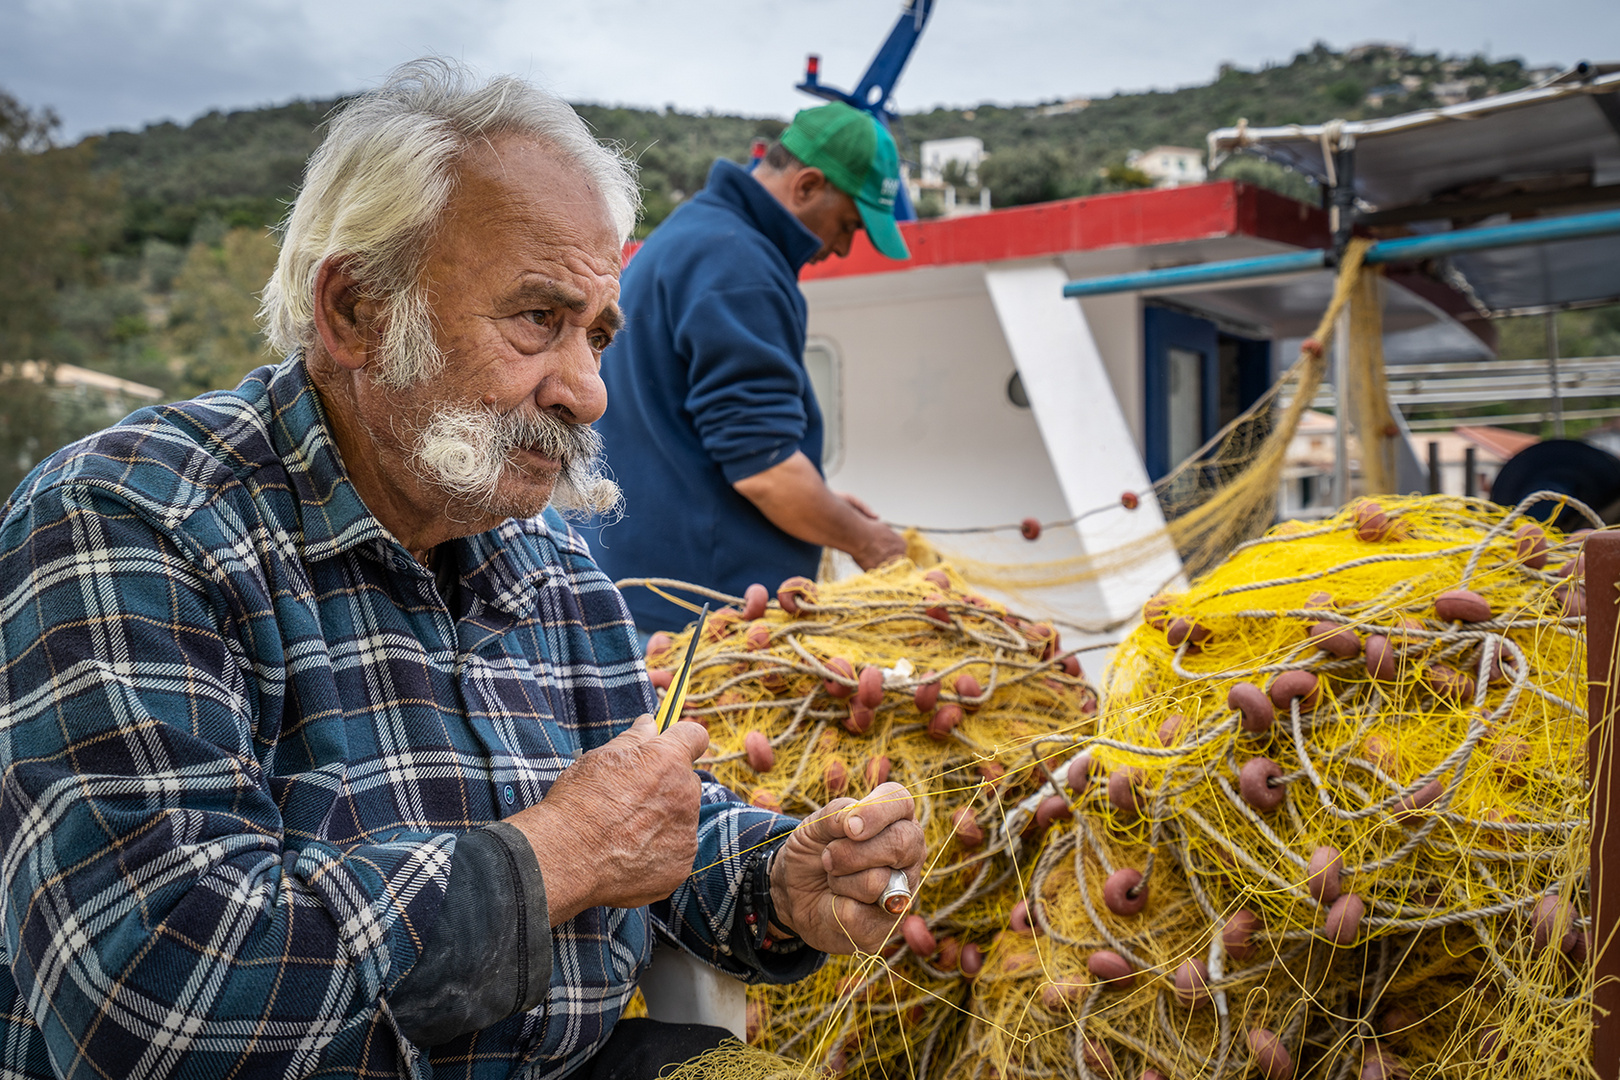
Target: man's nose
[(574, 382)]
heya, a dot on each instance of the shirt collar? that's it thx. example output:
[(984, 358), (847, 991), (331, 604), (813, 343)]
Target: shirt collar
[(733, 186), (332, 516)]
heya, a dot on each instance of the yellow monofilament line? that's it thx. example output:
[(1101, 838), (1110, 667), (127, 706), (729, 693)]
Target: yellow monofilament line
[(1451, 888), (891, 1015), (1445, 946)]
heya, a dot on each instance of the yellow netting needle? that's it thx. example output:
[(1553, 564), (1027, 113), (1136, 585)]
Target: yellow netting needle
[(676, 697)]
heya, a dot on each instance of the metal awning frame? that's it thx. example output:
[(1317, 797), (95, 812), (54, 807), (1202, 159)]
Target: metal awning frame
[(1328, 153), (1341, 134), (1404, 249)]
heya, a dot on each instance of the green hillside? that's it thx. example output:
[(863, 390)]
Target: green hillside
[(241, 167), (1042, 153)]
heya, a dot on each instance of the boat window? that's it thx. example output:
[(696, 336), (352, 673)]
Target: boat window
[(821, 361), (1016, 392), (1186, 403)]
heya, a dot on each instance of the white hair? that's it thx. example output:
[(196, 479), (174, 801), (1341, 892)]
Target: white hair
[(377, 187)]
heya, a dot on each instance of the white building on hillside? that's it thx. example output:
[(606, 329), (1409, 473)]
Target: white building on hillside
[(1170, 166), (959, 157), (936, 155)]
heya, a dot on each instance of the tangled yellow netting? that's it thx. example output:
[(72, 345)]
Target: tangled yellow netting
[(1387, 879), (959, 696), (1402, 890), (1398, 888)]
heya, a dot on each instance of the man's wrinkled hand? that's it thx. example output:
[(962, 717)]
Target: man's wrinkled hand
[(830, 875), (619, 827), (859, 506), (881, 544)]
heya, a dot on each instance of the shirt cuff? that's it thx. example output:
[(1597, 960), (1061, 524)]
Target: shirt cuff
[(753, 464), (489, 955), (751, 940)]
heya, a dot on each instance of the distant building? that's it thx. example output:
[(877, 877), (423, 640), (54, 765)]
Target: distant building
[(1308, 469), (1170, 166), (1380, 94), (938, 156), (1060, 108), (1307, 475), (118, 396), (1492, 446), (967, 152), (1452, 92)]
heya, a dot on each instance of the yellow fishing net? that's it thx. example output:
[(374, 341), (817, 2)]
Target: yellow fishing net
[(1370, 863), (908, 676), (1334, 821), (1329, 818)]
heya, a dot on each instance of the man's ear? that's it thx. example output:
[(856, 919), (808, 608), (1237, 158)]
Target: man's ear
[(345, 318), (808, 184)]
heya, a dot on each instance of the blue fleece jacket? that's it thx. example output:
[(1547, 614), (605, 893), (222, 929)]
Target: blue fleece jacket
[(706, 386)]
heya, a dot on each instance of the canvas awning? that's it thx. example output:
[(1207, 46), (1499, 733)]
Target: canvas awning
[(1541, 152)]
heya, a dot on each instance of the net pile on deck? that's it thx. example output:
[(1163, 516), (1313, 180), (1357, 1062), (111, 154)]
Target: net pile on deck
[(900, 675), (1333, 822)]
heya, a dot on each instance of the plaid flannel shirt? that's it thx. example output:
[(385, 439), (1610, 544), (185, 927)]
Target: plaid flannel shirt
[(240, 733)]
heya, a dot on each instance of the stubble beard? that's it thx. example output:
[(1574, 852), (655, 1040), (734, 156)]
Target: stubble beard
[(467, 451)]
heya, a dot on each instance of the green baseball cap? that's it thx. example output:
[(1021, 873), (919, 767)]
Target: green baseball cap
[(857, 154)]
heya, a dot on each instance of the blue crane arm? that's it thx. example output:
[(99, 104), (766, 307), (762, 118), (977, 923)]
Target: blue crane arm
[(884, 70), (873, 92)]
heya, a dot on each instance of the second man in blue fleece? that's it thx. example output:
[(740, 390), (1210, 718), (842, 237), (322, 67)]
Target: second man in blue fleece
[(714, 433)]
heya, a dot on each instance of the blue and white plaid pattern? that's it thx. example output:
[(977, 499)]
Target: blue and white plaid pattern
[(240, 732)]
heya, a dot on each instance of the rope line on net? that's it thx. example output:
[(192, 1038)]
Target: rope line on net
[(1222, 494)]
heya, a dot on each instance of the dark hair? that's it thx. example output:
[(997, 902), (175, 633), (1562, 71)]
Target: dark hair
[(781, 158)]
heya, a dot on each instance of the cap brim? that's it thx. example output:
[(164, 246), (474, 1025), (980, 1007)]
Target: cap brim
[(884, 232)]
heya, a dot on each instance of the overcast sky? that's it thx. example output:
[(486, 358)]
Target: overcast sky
[(109, 64)]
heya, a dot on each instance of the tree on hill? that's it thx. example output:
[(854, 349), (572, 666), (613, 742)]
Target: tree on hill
[(213, 324), (242, 167), (54, 214)]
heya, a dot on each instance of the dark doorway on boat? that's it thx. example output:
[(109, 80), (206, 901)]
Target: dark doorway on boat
[(1198, 377)]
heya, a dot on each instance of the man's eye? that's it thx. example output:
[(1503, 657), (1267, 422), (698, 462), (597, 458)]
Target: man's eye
[(600, 340), (539, 318)]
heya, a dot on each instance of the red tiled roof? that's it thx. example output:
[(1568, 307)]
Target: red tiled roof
[(1499, 441)]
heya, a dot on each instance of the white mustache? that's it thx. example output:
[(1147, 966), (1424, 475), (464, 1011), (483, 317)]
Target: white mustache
[(467, 450)]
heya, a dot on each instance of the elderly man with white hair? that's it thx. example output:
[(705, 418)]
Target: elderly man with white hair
[(325, 744)]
